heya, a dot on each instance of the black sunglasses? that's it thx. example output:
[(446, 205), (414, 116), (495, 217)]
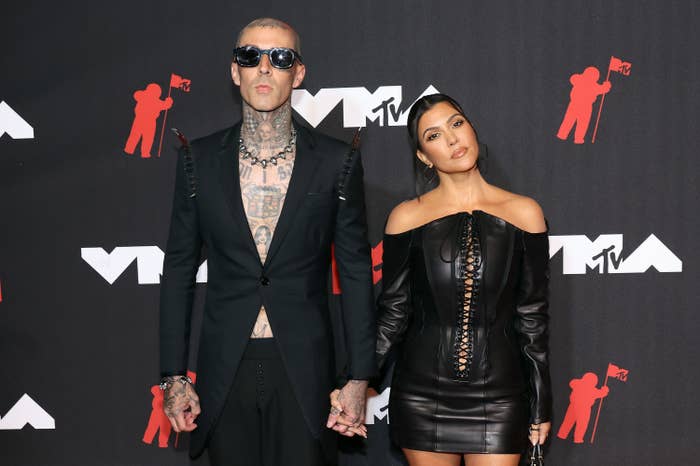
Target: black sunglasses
[(280, 57)]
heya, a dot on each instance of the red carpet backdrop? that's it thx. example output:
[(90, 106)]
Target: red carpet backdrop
[(592, 108)]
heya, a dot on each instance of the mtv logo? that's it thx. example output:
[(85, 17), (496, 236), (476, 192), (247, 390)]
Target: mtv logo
[(149, 263), (27, 411), (13, 124), (359, 105), (605, 254), (377, 405)]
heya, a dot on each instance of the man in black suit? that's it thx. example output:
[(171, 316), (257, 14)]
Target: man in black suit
[(268, 199)]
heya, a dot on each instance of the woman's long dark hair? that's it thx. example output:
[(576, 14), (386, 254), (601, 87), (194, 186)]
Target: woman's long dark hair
[(426, 178)]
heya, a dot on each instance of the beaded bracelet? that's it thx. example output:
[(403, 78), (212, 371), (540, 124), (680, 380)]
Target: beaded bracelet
[(166, 382)]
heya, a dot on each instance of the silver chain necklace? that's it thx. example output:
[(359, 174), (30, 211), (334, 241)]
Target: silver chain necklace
[(245, 153)]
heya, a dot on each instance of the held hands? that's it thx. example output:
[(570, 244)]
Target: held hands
[(181, 405), (539, 432), (347, 416)]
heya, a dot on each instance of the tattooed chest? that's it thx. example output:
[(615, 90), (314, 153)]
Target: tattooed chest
[(263, 193), (263, 202)]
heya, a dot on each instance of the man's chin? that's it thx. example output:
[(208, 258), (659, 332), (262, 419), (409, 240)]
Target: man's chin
[(266, 104)]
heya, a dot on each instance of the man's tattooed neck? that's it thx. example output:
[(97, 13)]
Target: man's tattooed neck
[(267, 131)]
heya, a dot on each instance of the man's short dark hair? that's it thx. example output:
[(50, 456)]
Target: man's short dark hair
[(271, 23)]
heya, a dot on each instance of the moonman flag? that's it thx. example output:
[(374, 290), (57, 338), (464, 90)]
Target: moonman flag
[(619, 66), (617, 372), (180, 82)]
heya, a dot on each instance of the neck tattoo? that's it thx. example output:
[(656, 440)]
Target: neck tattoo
[(245, 154), (267, 136)]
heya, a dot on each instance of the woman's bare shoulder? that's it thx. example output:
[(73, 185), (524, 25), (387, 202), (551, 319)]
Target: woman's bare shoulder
[(521, 211), (525, 213), (405, 216)]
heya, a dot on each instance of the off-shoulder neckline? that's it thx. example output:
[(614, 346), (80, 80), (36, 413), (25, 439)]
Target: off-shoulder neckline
[(470, 214)]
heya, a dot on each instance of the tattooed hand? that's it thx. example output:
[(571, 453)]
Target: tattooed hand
[(181, 405), (348, 407)]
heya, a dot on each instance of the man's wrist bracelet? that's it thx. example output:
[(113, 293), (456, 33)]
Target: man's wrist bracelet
[(167, 382)]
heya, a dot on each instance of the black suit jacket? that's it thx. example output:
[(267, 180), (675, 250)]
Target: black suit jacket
[(291, 284)]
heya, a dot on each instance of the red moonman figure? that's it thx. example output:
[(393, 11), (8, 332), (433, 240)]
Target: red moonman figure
[(157, 420), (146, 112), (377, 262), (583, 396), (584, 92)]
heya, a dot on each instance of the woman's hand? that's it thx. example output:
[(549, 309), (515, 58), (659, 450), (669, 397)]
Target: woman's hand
[(539, 432)]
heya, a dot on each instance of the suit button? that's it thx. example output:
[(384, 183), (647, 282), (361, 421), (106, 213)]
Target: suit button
[(264, 281)]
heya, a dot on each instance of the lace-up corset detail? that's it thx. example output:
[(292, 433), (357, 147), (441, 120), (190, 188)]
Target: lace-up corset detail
[(468, 274)]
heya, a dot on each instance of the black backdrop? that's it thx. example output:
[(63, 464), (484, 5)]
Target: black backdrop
[(78, 318)]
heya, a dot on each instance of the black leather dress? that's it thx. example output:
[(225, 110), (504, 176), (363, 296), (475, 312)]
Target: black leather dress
[(466, 295)]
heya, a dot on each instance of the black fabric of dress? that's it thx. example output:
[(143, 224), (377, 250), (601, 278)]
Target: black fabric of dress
[(466, 296)]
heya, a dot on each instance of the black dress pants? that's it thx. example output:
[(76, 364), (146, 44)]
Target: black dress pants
[(261, 423)]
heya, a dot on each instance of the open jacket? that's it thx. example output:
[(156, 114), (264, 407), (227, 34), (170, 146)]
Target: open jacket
[(292, 283)]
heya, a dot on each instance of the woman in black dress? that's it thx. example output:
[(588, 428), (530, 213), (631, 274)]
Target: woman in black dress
[(465, 297)]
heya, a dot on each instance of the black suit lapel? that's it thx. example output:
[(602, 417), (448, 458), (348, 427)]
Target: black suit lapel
[(231, 183), (305, 165)]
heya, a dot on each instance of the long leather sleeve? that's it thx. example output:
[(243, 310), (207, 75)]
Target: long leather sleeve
[(532, 322), (179, 272), (394, 303), (353, 257)]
